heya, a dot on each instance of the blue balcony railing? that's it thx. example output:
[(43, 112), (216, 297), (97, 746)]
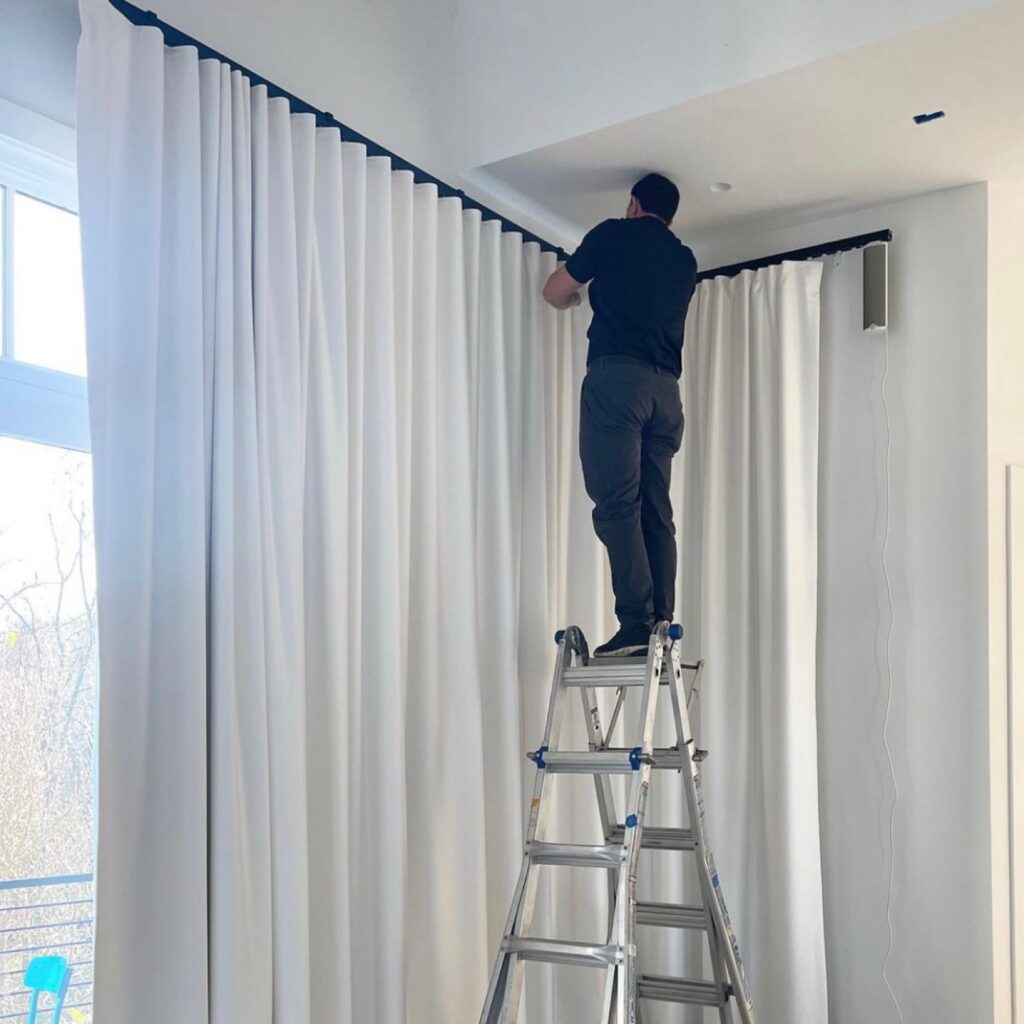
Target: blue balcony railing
[(41, 916)]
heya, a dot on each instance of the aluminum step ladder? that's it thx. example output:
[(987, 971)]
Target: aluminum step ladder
[(625, 986)]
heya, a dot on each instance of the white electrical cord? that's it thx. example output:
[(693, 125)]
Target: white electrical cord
[(888, 669)]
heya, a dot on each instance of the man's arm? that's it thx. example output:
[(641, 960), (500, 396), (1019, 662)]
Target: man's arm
[(562, 290)]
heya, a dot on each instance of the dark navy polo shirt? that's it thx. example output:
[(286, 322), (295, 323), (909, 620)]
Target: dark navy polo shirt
[(643, 278)]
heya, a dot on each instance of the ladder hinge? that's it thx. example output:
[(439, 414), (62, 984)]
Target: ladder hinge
[(635, 758), (537, 757)]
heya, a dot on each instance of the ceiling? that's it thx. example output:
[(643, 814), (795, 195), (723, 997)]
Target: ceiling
[(530, 73), (807, 143)]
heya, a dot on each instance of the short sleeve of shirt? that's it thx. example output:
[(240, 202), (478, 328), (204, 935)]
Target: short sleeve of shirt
[(585, 262)]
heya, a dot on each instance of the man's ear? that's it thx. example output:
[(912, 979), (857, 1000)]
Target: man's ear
[(634, 209)]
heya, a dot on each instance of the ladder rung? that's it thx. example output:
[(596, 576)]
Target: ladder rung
[(606, 675), (587, 762), (671, 915), (664, 757), (575, 856), (555, 951), (679, 990), (666, 663), (659, 838)]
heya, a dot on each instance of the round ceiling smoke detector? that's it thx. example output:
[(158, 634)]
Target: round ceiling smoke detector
[(721, 186)]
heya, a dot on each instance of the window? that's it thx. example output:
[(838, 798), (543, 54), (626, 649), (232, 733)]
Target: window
[(42, 333), (47, 586), (45, 304)]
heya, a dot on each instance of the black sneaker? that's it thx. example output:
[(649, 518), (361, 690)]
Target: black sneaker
[(629, 642)]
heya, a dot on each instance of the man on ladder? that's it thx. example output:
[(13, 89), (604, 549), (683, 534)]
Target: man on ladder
[(631, 417), (631, 425)]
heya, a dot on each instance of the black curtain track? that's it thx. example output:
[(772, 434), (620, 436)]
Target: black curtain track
[(175, 37), (812, 252)]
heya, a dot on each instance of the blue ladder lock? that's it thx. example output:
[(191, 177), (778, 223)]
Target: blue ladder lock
[(634, 758), (559, 636), (537, 757), (631, 821), (675, 631)]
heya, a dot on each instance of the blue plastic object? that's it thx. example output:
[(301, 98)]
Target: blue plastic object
[(631, 821), (537, 757), (634, 758), (47, 974), (675, 631), (559, 636)]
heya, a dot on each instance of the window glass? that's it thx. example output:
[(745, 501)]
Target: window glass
[(4, 341), (47, 694), (49, 317)]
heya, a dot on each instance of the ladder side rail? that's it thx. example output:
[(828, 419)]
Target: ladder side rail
[(718, 965), (695, 684), (498, 990), (611, 981), (649, 707), (619, 701), (597, 742), (540, 804), (626, 899), (627, 994), (606, 811), (608, 821), (498, 986), (509, 973), (540, 811), (706, 863), (678, 694), (728, 942)]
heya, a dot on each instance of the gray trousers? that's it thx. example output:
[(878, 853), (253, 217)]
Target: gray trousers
[(631, 425)]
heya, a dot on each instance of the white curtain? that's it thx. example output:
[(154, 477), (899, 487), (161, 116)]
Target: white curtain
[(328, 438), (748, 495), (339, 514)]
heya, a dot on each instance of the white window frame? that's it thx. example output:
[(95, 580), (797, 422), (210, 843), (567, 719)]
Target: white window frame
[(36, 403)]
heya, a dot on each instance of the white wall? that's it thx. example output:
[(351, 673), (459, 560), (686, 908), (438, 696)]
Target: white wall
[(942, 962), (1006, 448), (385, 67), (38, 39), (1015, 531)]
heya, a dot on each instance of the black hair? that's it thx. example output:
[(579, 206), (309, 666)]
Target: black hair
[(657, 195)]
